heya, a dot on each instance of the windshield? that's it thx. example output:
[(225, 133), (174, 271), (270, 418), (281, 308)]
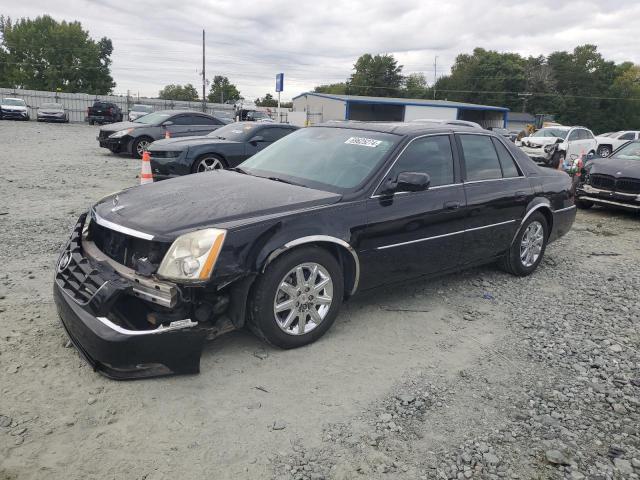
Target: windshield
[(52, 105), (334, 159), (631, 151), (14, 102), (551, 132), (153, 118), (142, 108), (237, 132)]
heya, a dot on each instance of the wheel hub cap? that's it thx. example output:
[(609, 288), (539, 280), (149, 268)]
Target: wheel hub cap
[(303, 299), (531, 244), (209, 164)]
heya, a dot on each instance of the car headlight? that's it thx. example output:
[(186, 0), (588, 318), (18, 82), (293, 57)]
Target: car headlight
[(121, 133), (192, 256)]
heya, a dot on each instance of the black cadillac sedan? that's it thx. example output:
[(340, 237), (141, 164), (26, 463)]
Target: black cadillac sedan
[(279, 243), (225, 147), (613, 181)]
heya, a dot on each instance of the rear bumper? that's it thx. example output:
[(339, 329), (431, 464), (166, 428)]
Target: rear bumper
[(51, 118), (111, 349), (562, 222)]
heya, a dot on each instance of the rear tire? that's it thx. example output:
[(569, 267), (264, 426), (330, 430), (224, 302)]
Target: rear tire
[(527, 250), (297, 298)]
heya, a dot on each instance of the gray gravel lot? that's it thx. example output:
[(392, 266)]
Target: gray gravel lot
[(431, 379)]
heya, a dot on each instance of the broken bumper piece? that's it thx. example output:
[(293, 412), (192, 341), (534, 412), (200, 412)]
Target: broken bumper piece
[(87, 292)]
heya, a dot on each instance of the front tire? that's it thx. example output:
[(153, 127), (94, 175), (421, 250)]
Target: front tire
[(208, 163), (528, 248), (584, 204), (139, 145), (297, 298), (604, 151)]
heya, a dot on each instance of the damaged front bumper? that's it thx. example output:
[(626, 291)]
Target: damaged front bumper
[(103, 310)]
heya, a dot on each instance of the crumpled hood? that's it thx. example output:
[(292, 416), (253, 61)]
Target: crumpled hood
[(180, 143), (540, 140), (220, 199), (615, 167)]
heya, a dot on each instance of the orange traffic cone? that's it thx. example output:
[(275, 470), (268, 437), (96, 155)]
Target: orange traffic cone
[(167, 134), (145, 175)]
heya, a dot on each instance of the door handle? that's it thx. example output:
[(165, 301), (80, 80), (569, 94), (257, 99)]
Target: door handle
[(452, 205)]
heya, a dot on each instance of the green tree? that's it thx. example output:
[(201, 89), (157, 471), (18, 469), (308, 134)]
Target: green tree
[(44, 54), (267, 101), (335, 88), (415, 86), (222, 90), (378, 75), (179, 92)]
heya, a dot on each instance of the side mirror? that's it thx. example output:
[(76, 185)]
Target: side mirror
[(408, 182), (256, 139), (168, 123)]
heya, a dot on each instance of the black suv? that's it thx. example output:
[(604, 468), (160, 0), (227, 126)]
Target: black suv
[(104, 112)]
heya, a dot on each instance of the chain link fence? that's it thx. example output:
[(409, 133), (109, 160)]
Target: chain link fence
[(76, 104)]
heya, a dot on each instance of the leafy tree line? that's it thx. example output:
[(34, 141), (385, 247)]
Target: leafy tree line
[(578, 87), (44, 54)]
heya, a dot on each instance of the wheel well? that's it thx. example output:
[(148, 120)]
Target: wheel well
[(348, 263), (604, 145), (548, 215)]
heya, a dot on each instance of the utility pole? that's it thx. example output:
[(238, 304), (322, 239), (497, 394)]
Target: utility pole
[(524, 100), (435, 69), (204, 79)]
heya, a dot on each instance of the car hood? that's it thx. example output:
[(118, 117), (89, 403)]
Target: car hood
[(115, 127), (221, 199), (615, 167), (49, 111), (14, 108), (540, 140), (181, 143)]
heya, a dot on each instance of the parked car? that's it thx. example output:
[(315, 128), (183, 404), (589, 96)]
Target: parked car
[(52, 112), (552, 146), (613, 181), (133, 138), (607, 143), (138, 111), (14, 108), (253, 116), (104, 112), (225, 147), (282, 240), (505, 133)]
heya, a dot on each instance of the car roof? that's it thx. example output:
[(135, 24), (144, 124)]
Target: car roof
[(400, 128), (177, 112)]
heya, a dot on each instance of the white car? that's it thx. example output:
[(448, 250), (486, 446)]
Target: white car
[(14, 108), (138, 111), (608, 142), (551, 146)]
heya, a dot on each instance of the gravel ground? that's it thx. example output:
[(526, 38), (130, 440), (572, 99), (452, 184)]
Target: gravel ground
[(475, 375)]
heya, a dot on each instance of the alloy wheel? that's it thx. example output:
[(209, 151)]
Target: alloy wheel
[(531, 244), (209, 163), (605, 152), (303, 298), (142, 146)]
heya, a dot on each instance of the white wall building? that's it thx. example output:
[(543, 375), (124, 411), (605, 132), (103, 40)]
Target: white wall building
[(322, 107)]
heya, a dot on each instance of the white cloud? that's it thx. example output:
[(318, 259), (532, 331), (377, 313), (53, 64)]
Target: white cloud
[(313, 42)]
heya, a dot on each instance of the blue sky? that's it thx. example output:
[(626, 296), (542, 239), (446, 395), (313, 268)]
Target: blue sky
[(313, 42)]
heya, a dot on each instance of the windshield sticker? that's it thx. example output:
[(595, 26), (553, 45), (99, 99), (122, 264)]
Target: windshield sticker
[(237, 131), (363, 142)]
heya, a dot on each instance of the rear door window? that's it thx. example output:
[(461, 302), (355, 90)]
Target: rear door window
[(273, 134), (480, 158), (183, 120), (202, 120), (626, 136), (508, 164)]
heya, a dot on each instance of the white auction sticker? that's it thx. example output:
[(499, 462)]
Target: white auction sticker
[(364, 142)]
